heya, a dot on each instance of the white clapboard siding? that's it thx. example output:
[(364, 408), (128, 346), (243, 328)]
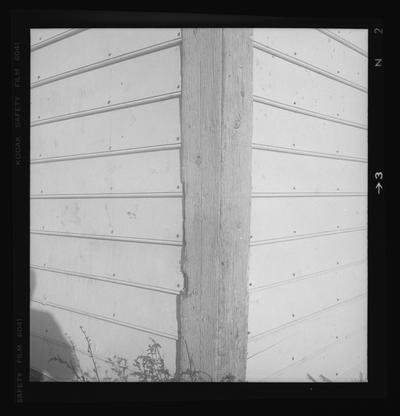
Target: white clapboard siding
[(41, 35), (284, 129), (308, 245), (137, 78), (280, 349), (292, 217), (127, 128), (118, 217), (299, 298), (278, 263), (95, 45), (331, 361), (318, 50), (290, 84), (137, 172), (358, 37), (273, 172), (136, 306), (53, 328), (106, 202), (150, 265)]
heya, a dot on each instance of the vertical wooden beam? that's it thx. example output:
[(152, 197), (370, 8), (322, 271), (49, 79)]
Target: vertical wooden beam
[(216, 117)]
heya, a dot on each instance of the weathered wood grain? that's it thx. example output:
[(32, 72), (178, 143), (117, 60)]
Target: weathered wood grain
[(216, 173)]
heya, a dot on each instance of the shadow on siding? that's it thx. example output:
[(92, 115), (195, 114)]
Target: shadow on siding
[(47, 340)]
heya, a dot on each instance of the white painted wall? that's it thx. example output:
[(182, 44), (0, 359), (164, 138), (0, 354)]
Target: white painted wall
[(106, 209), (308, 273)]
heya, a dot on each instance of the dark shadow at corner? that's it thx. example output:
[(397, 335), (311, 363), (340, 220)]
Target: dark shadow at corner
[(47, 342)]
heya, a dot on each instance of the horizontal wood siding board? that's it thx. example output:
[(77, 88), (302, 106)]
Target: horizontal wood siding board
[(41, 35), (95, 45), (155, 265), (115, 130), (356, 37), (308, 246), (140, 218), (278, 218), (60, 326), (315, 48), (285, 129), (149, 309), (292, 344), (290, 84), (335, 359), (106, 279), (273, 172), (109, 85), (281, 304), (276, 263), (143, 172), (108, 263)]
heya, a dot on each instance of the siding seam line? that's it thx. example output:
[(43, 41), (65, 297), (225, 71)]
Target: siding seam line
[(106, 279), (110, 61), (134, 150), (263, 334), (111, 238), (60, 36), (257, 146), (302, 236), (274, 52), (110, 195), (305, 194), (316, 353), (106, 319), (344, 42), (262, 288), (104, 109), (303, 111)]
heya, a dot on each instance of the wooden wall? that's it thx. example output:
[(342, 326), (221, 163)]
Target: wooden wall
[(308, 246), (106, 206)]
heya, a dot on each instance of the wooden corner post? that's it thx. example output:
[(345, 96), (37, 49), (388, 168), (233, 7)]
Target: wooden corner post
[(216, 119)]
